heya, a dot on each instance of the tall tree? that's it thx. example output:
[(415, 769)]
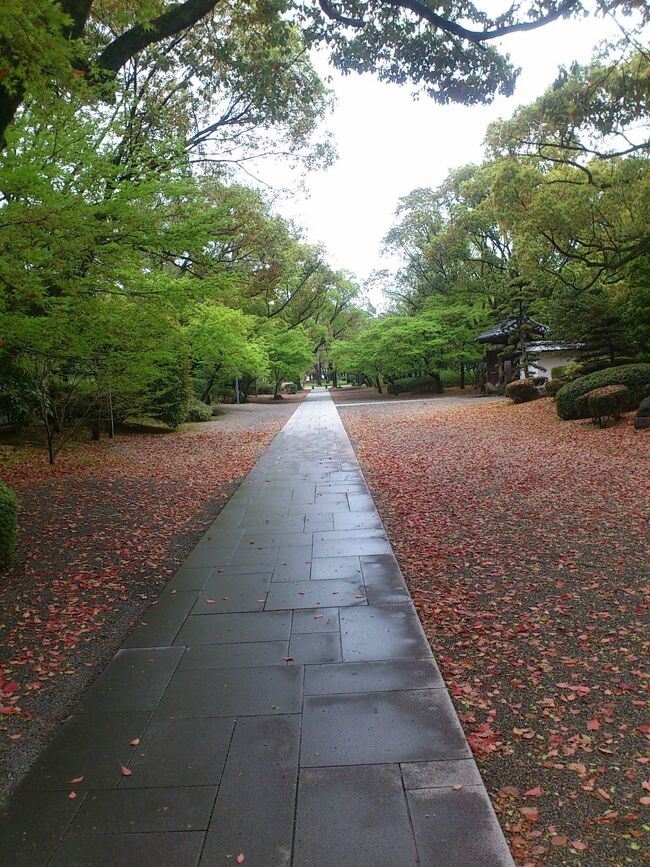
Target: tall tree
[(447, 50)]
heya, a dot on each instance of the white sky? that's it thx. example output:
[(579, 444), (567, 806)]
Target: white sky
[(389, 144)]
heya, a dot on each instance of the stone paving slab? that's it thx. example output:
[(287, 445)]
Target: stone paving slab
[(182, 849), (456, 827), (251, 655), (279, 701), (126, 811), (254, 813), (370, 728), (232, 692), (327, 800), (180, 752), (386, 676)]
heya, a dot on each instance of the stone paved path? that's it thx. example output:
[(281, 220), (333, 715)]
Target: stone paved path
[(279, 702)]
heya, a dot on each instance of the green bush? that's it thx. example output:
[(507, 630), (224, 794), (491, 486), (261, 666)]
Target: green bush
[(521, 390), (608, 402), (451, 378), (553, 386), (198, 411), (225, 393), (635, 376), (171, 395), (265, 388), (8, 524), (581, 406), (416, 385)]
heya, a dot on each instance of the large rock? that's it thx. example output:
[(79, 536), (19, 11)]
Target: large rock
[(642, 417)]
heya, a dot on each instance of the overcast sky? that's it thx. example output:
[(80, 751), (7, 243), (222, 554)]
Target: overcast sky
[(389, 144)]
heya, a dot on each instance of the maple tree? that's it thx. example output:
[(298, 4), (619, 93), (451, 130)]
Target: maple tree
[(290, 353), (97, 245), (447, 51), (551, 227)]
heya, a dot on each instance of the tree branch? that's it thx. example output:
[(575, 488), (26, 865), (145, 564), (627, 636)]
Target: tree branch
[(476, 37), (174, 20)]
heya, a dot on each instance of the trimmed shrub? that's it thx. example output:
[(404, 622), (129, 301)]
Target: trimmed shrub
[(581, 406), (265, 388), (8, 524), (540, 380), (521, 390), (416, 385), (568, 372), (608, 402), (198, 411), (553, 386), (635, 376)]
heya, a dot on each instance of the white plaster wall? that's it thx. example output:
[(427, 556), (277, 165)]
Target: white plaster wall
[(549, 360)]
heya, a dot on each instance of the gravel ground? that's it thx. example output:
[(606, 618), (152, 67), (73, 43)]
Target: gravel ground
[(524, 540), (100, 535)]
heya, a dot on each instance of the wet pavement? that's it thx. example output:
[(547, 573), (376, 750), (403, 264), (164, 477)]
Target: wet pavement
[(278, 704)]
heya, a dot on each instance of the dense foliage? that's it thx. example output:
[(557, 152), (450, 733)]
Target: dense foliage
[(635, 376), (256, 50), (8, 523), (136, 274), (552, 229), (416, 385), (521, 390), (608, 402)]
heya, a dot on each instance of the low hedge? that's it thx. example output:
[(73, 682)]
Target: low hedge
[(198, 411), (8, 524), (635, 376), (552, 387), (608, 402), (521, 390), (416, 385)]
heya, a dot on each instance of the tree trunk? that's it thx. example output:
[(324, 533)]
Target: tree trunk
[(49, 433), (207, 391), (462, 374), (97, 427), (111, 417), (379, 388)]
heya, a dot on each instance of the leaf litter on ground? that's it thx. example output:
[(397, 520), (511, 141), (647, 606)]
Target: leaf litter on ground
[(524, 541)]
